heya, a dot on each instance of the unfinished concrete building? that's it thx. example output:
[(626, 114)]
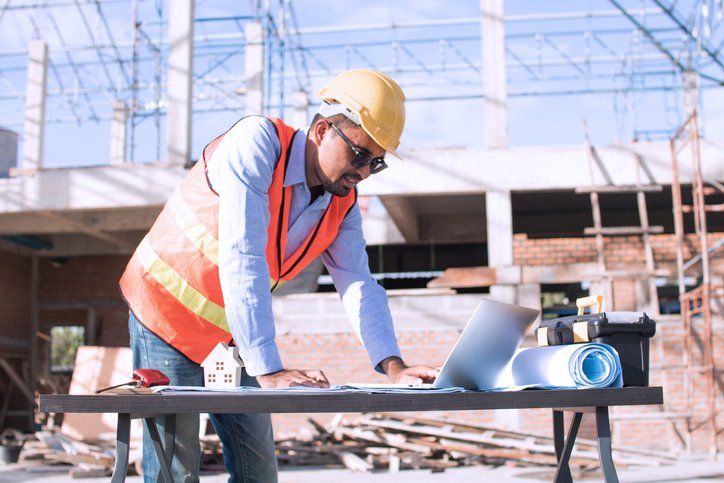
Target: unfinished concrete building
[(534, 225)]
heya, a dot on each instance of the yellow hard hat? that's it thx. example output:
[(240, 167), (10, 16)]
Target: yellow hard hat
[(373, 100)]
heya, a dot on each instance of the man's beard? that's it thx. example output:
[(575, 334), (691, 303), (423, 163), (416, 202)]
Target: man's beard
[(337, 188)]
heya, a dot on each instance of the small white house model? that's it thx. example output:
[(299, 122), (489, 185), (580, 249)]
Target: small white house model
[(222, 367)]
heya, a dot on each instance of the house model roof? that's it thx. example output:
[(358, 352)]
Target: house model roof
[(222, 352)]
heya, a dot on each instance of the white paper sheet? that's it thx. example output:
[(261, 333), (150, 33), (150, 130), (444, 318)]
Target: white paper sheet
[(591, 365), (351, 388)]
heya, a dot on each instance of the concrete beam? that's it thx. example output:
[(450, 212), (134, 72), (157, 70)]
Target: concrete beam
[(402, 212), (118, 132), (429, 172), (531, 168), (180, 81), (123, 219), (79, 245), (495, 96), (89, 230), (254, 68), (34, 131), (452, 227), (105, 187)]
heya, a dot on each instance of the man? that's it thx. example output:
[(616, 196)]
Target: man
[(261, 204)]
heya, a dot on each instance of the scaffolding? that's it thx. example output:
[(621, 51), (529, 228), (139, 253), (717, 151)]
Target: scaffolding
[(697, 303), (624, 52)]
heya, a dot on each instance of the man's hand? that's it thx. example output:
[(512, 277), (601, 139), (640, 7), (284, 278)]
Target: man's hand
[(293, 377), (399, 373)]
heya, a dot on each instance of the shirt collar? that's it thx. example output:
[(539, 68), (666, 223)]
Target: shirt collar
[(295, 171), (296, 174)]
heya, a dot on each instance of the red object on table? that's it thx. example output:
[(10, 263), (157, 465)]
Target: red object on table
[(143, 378)]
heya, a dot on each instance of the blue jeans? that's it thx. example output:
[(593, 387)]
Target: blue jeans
[(247, 440)]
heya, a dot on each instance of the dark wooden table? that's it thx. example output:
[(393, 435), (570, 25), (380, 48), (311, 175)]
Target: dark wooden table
[(151, 406)]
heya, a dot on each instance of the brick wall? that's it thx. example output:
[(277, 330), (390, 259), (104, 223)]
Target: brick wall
[(67, 287), (619, 251), (14, 327), (15, 292)]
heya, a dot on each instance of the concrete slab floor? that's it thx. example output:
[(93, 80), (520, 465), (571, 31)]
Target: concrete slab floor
[(685, 471)]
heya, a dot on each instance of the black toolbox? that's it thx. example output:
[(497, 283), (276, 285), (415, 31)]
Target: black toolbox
[(627, 332)]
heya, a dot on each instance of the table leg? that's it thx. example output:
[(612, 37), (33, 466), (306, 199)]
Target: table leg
[(603, 433), (123, 436), (165, 464), (559, 441), (563, 474), (169, 437)]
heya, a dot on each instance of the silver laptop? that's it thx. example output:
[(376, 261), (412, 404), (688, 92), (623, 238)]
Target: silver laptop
[(485, 347)]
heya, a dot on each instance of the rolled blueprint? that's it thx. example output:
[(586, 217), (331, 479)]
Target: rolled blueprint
[(564, 366)]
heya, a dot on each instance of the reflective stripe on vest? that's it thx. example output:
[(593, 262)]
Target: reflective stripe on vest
[(194, 230), (169, 279), (172, 281)]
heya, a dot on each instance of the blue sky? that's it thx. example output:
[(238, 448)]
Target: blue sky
[(533, 120)]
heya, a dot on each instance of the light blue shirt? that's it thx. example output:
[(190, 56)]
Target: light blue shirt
[(240, 171)]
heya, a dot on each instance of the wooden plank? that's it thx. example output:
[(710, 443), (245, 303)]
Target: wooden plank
[(629, 188), (465, 277), (504, 453), (408, 418), (486, 276), (328, 401), (468, 277), (74, 459), (382, 439), (623, 230), (353, 462)]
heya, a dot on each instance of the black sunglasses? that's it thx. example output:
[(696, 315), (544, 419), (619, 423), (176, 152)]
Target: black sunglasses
[(362, 158)]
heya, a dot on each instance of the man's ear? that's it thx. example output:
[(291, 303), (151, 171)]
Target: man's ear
[(319, 130)]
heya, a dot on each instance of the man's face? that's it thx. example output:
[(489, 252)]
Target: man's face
[(336, 172)]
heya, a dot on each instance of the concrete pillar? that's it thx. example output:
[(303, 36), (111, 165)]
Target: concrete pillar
[(300, 115), (529, 296), (118, 132), (495, 110), (254, 68), (180, 81), (499, 220), (34, 132)]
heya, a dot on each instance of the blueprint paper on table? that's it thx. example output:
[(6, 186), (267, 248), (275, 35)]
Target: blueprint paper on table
[(571, 366), (344, 388)]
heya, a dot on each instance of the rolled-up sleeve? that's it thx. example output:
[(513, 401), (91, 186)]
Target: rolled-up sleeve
[(240, 171), (364, 300)]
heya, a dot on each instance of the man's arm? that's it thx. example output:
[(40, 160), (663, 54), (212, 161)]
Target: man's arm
[(365, 302), (241, 171)]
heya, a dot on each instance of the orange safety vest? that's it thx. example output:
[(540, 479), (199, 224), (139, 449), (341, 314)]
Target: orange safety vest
[(172, 281)]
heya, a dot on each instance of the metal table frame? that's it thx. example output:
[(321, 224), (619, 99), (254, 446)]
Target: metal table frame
[(151, 407)]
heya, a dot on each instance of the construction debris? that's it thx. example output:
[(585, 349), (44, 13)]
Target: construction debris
[(387, 442), (52, 451), (395, 442)]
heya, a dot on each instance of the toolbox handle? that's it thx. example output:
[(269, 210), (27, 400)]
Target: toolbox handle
[(590, 301)]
